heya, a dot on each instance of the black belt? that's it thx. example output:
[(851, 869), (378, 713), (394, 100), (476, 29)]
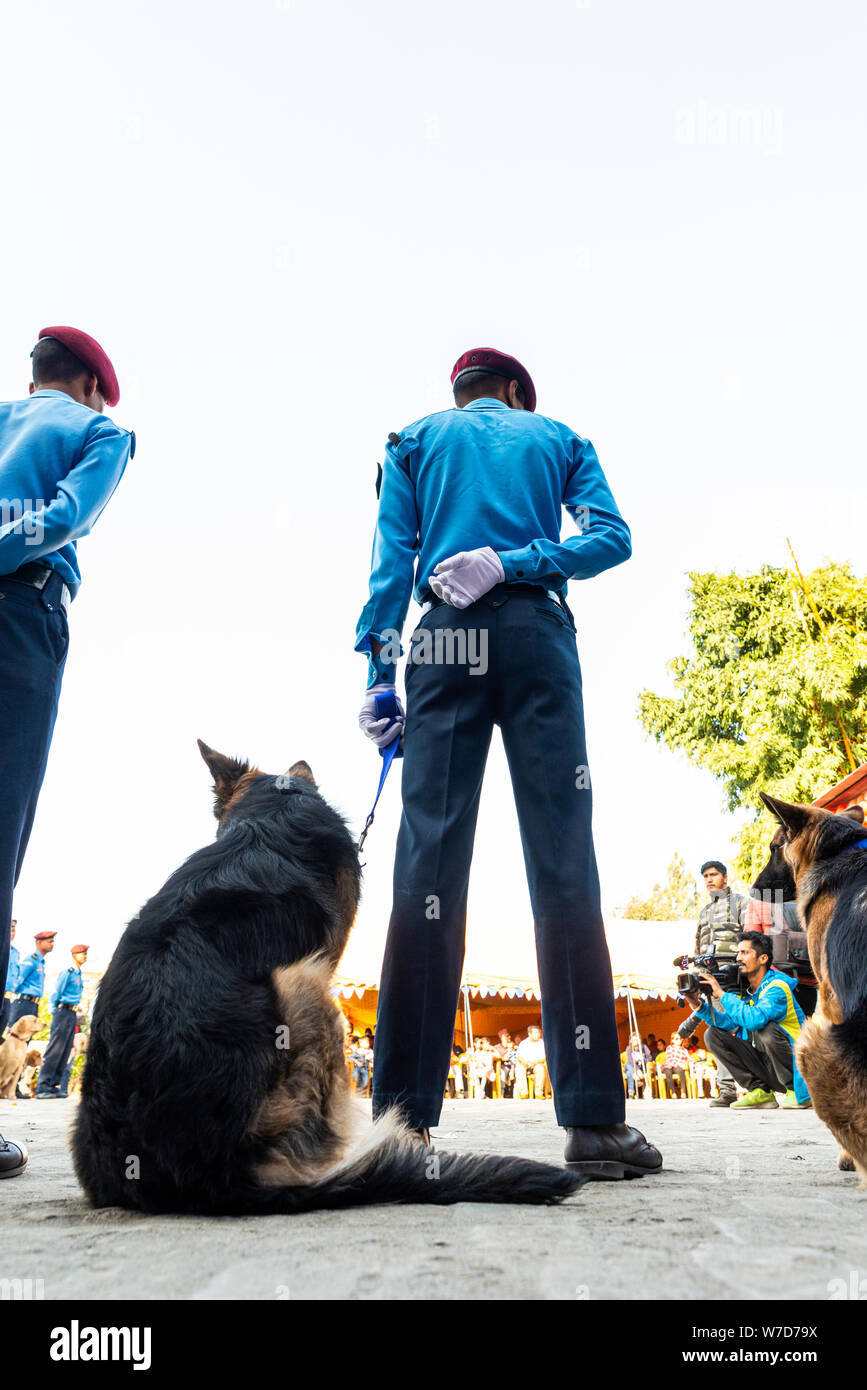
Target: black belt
[(507, 590), (34, 997), (36, 576)]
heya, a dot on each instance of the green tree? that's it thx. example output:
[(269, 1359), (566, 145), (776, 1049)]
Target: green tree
[(768, 694), (672, 901)]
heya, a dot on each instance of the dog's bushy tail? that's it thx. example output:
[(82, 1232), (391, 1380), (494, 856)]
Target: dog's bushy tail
[(846, 957), (394, 1166)]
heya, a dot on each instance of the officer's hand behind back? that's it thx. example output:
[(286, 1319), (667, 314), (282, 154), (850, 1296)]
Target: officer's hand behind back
[(465, 577)]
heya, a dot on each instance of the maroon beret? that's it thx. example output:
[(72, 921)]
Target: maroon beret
[(76, 949), (44, 935), (490, 360), (88, 351)]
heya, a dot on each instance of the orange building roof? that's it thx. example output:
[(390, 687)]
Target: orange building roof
[(852, 791)]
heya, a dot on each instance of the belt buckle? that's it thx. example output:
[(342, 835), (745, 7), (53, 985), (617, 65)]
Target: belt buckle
[(65, 599)]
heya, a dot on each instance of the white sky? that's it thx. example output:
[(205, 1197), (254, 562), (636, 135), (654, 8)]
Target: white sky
[(284, 222)]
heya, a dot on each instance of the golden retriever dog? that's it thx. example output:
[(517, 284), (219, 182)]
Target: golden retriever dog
[(14, 1051), (32, 1063)]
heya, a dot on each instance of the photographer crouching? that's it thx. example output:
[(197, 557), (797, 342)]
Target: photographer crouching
[(753, 1031)]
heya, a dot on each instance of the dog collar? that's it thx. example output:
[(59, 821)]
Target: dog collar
[(859, 844)]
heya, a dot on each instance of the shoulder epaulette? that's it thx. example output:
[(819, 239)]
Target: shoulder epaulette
[(394, 440)]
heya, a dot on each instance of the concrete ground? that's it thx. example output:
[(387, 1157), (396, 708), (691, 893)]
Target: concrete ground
[(749, 1205)]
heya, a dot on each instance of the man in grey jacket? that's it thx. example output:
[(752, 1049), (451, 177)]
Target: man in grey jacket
[(719, 924)]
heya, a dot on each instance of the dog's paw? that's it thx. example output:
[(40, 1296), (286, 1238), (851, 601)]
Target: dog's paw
[(845, 1162)]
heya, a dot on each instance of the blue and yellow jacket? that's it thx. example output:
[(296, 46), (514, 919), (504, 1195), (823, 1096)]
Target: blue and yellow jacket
[(773, 1002)]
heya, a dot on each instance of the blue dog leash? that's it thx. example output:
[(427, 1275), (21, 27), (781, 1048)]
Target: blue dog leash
[(386, 707)]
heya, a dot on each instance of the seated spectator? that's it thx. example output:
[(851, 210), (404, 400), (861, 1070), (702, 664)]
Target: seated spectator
[(676, 1064), (704, 1069), (482, 1068), (636, 1060), (361, 1057), (456, 1072), (530, 1061), (506, 1051)]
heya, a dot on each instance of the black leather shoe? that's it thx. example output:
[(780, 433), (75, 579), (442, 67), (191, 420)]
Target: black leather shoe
[(13, 1158), (610, 1152)]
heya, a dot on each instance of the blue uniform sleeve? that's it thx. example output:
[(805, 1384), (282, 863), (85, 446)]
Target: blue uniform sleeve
[(13, 971), (395, 543), (603, 540), (772, 1006), (80, 498), (59, 988)]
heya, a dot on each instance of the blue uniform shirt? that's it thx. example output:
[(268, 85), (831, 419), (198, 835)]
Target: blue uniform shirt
[(60, 462), (31, 977), (12, 972), (486, 475), (69, 987)]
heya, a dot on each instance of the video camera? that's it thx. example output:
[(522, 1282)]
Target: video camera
[(725, 969)]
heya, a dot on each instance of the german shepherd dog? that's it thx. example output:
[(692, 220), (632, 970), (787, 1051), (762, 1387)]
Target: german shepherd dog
[(830, 871), (216, 1080)]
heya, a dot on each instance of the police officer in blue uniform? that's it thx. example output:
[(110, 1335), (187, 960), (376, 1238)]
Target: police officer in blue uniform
[(471, 503), (64, 1001), (31, 978), (11, 979), (60, 461)]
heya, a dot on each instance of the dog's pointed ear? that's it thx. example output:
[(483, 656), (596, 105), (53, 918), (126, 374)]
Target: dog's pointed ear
[(855, 813), (791, 816), (302, 770), (226, 772)]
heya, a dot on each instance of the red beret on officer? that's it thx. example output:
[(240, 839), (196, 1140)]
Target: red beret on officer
[(91, 355), (501, 364), (45, 936)]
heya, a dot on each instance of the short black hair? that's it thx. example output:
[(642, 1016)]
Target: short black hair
[(52, 361), (479, 381), (714, 864), (761, 944)]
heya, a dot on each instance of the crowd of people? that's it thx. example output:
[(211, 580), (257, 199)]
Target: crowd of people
[(674, 1069), (510, 1068), (23, 997)]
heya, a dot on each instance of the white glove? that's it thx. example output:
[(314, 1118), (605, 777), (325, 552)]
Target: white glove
[(465, 577), (382, 730)]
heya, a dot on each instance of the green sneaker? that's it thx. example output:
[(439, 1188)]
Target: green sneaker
[(790, 1102), (756, 1100)]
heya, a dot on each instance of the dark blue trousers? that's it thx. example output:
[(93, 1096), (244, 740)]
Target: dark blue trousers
[(531, 688), (63, 1025), (33, 644), (20, 1007)]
